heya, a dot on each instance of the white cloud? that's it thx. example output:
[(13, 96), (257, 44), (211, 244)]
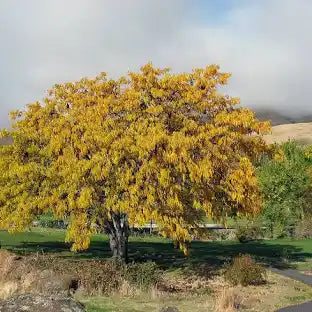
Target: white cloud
[(265, 44)]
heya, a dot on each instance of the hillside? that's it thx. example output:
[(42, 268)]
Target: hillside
[(301, 132), (279, 119)]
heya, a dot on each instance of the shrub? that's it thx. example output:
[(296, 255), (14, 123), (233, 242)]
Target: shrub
[(245, 271), (94, 277), (142, 275), (303, 228), (248, 232), (98, 277)]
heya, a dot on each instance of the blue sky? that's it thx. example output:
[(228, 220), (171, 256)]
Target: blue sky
[(265, 44), (215, 11)]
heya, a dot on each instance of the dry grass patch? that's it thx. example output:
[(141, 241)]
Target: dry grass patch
[(300, 132), (278, 292), (228, 300), (220, 296)]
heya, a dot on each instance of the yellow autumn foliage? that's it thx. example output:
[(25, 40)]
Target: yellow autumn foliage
[(152, 145)]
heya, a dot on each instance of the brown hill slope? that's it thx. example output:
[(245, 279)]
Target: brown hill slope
[(277, 118), (301, 132)]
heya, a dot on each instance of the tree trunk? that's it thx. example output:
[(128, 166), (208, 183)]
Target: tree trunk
[(118, 231)]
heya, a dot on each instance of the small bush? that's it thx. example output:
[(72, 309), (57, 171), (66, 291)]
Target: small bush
[(99, 277), (142, 275), (245, 271), (303, 228), (249, 232)]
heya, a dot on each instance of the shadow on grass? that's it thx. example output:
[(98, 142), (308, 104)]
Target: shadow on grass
[(216, 254), (213, 254)]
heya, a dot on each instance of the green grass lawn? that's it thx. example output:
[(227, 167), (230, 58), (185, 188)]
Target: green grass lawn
[(161, 250)]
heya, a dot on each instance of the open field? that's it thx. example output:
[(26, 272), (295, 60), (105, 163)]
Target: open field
[(278, 292), (301, 132)]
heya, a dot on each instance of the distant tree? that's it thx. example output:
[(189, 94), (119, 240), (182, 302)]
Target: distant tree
[(285, 186), (108, 153)]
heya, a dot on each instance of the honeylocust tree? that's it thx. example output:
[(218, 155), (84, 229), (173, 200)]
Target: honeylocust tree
[(154, 145)]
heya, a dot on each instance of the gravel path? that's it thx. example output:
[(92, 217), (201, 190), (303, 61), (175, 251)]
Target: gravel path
[(298, 276), (294, 274)]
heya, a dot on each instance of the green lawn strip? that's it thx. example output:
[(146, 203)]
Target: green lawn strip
[(271, 252)]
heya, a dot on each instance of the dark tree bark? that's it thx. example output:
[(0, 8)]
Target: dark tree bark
[(118, 231)]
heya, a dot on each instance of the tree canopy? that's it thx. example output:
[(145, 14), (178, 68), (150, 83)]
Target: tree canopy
[(151, 145), (285, 187)]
